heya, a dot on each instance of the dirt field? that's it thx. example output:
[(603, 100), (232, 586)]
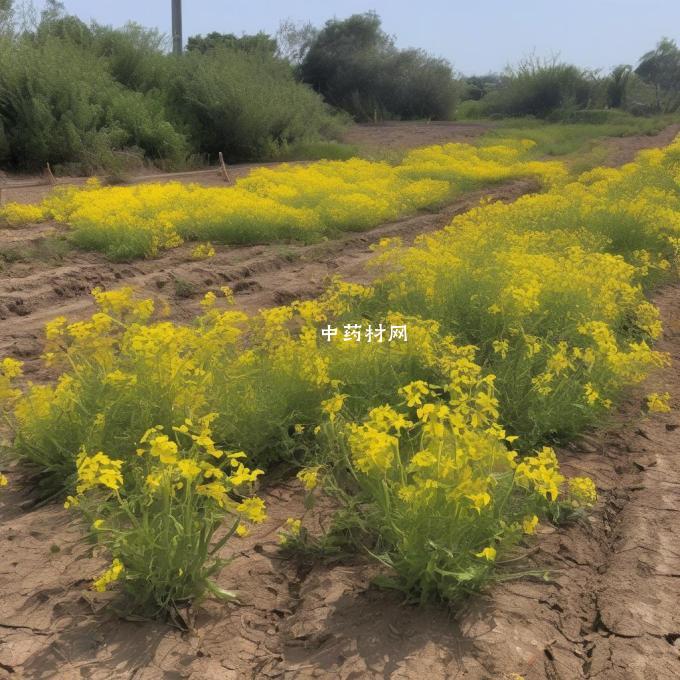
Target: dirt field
[(608, 609)]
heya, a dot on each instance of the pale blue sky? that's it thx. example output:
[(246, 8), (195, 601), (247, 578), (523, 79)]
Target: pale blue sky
[(477, 36)]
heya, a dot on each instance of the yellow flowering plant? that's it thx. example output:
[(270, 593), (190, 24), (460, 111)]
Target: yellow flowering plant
[(439, 496), (165, 514), (550, 288), (291, 202)]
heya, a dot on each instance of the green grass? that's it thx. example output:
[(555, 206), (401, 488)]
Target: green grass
[(563, 139), (50, 250)]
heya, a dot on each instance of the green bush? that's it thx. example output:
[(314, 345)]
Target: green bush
[(246, 105), (91, 98), (357, 68), (58, 104), (537, 88)]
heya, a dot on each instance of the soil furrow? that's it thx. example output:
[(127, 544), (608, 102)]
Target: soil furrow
[(261, 275)]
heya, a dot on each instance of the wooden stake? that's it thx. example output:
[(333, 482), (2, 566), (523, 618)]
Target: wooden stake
[(50, 176), (223, 167)]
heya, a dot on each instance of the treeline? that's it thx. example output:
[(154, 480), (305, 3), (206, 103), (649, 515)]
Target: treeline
[(87, 97), (554, 90)]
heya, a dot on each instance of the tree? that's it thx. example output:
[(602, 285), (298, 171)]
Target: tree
[(660, 67), (6, 15), (294, 41), (54, 9), (259, 43), (617, 86), (355, 65)]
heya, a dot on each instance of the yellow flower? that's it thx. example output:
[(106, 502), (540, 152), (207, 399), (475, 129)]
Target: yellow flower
[(294, 526), (213, 490), (98, 470), (228, 294), (488, 554), (501, 347), (164, 449), (113, 573), (203, 251), (292, 530), (253, 509), (188, 469), (243, 475), (480, 500), (242, 530), (3, 480), (98, 524), (309, 477), (592, 395), (333, 405), (11, 368), (153, 480), (414, 392), (423, 459), (659, 403), (529, 524), (582, 491), (208, 300)]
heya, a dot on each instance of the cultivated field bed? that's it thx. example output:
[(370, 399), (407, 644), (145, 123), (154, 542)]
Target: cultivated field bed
[(605, 609)]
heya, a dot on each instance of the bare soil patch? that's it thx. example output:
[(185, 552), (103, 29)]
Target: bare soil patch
[(622, 150), (407, 135)]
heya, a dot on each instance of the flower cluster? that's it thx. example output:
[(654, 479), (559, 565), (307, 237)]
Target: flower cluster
[(157, 511), (442, 490), (289, 202)]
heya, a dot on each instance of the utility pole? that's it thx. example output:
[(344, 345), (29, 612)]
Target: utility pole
[(177, 26)]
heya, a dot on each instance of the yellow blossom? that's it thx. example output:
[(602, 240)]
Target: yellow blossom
[(488, 554)]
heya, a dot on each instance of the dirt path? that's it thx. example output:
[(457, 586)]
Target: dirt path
[(622, 150)]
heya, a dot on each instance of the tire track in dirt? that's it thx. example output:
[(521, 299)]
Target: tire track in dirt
[(261, 275)]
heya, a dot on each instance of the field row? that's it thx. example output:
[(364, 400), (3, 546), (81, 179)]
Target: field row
[(525, 322), (290, 202)]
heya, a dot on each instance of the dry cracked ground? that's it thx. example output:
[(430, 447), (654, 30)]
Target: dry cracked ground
[(607, 610)]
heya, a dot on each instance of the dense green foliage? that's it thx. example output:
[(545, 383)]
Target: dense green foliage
[(356, 66), (558, 91), (86, 98), (258, 43)]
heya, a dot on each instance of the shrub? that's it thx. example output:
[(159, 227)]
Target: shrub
[(83, 97), (57, 103), (538, 89), (442, 497), (245, 104)]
